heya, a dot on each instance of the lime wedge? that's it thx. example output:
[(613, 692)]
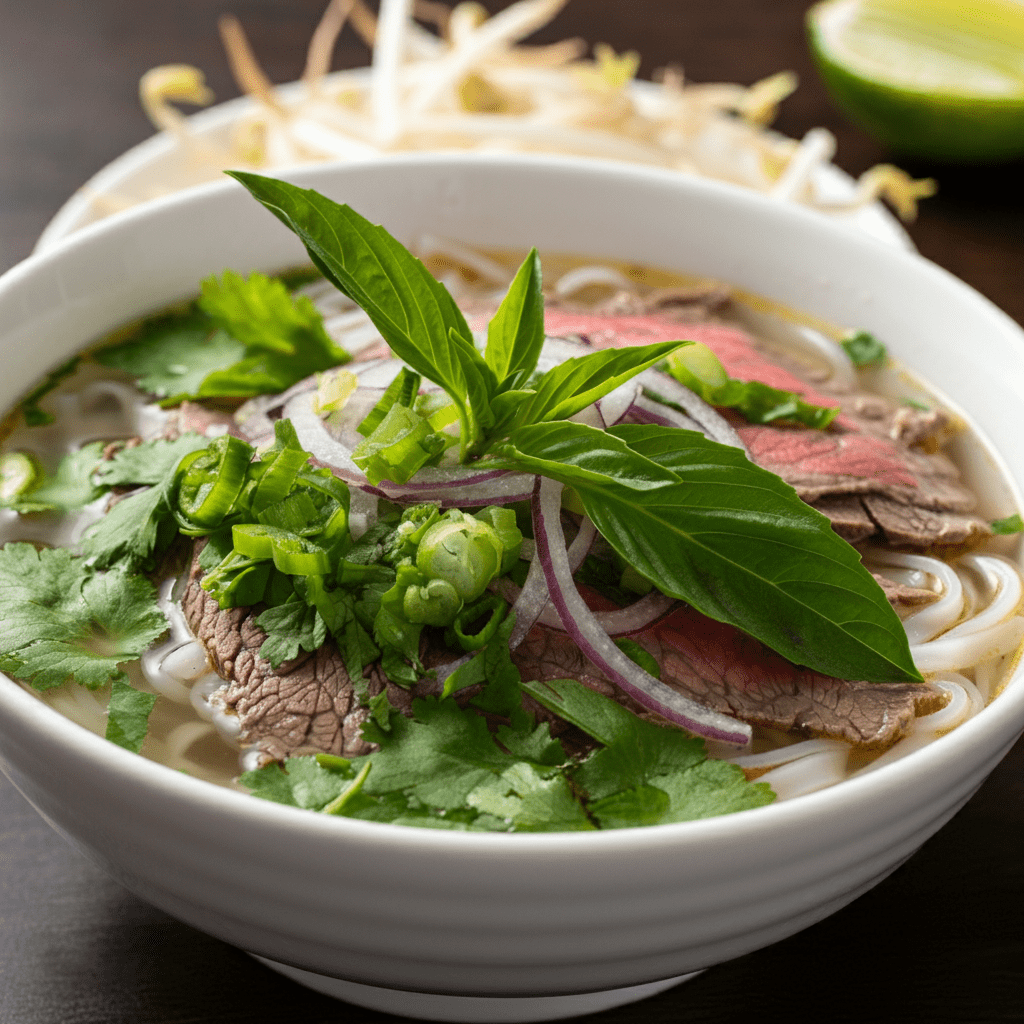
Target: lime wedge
[(932, 78)]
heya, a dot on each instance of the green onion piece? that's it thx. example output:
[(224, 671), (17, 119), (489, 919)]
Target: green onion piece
[(400, 445), (278, 478), (210, 480), (864, 349), (332, 762), (503, 521), (238, 581), (492, 606), (401, 391), (340, 802), (20, 472), (297, 556), (634, 581), (333, 390), (296, 514), (325, 481)]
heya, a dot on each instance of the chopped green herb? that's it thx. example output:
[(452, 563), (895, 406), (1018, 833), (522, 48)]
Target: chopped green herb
[(864, 349), (128, 712), (30, 409), (244, 337), (172, 355), (444, 768), (1011, 524), (63, 620), (698, 368)]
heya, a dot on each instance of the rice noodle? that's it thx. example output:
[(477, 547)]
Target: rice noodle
[(587, 277)]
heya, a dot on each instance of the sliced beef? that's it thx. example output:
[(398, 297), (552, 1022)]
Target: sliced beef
[(904, 599), (303, 705), (883, 457), (723, 669)]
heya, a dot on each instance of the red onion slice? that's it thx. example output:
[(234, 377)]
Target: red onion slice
[(581, 625), (621, 621), (489, 487), (646, 410), (532, 603), (712, 425)]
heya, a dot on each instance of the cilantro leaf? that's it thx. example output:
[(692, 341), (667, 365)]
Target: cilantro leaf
[(439, 756), (283, 336), (530, 802), (132, 530), (149, 462), (290, 627), (645, 774), (63, 620), (864, 349), (128, 713), (302, 782), (172, 355)]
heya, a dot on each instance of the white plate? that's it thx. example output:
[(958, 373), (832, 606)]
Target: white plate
[(160, 166)]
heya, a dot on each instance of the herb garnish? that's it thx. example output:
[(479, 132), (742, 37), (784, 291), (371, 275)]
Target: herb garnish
[(812, 600), (1008, 525), (63, 620), (443, 768), (242, 337)]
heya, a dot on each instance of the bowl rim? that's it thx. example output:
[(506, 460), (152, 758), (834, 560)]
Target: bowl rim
[(988, 731)]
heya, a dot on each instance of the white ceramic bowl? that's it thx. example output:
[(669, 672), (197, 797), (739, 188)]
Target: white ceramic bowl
[(520, 927)]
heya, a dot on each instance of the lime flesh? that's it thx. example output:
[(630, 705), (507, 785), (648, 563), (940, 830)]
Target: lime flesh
[(930, 78)]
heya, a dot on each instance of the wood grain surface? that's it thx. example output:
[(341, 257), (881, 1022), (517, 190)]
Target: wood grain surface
[(941, 940)]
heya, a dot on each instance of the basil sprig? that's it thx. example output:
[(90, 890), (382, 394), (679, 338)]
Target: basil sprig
[(695, 517)]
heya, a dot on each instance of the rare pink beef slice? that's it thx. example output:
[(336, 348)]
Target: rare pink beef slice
[(868, 473), (721, 668)]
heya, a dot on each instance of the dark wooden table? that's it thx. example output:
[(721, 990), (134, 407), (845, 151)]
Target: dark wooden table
[(941, 940)]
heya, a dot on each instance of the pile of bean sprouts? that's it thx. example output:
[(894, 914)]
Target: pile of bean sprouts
[(967, 642), (469, 83)]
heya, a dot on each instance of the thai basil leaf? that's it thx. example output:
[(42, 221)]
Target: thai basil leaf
[(414, 313), (573, 385), (736, 542), (577, 454), (515, 334)]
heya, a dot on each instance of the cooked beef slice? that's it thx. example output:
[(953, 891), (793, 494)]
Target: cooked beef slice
[(879, 452), (723, 669), (903, 598), (849, 517), (304, 705), (917, 526)]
